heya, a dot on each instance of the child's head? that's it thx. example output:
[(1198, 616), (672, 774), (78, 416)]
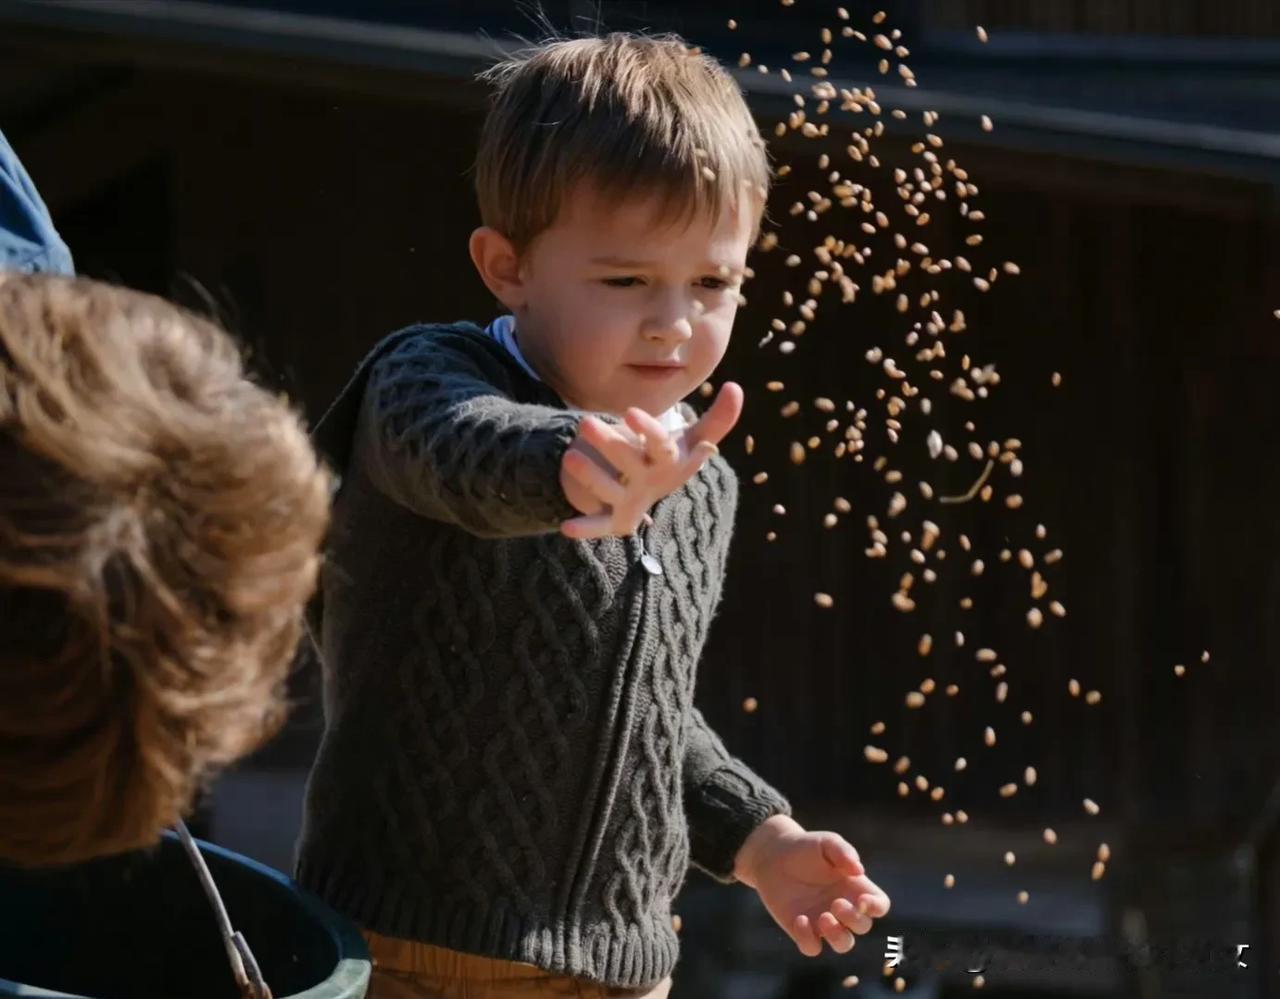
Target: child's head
[(621, 182), (159, 523)]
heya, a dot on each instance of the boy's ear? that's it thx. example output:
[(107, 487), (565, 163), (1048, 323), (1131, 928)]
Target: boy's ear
[(498, 265)]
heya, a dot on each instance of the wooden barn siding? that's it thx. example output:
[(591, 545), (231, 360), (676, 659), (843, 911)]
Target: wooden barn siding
[(1115, 17)]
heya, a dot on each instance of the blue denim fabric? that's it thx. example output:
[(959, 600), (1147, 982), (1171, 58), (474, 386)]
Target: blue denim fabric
[(28, 240)]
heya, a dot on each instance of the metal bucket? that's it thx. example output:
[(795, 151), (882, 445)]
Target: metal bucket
[(140, 926)]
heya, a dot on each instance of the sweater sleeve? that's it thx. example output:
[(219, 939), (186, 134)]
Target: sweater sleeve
[(724, 801), (439, 433)]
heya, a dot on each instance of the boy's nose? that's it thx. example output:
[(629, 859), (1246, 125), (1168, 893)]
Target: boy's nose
[(669, 329)]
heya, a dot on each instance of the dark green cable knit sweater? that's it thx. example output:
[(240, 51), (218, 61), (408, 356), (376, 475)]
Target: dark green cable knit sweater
[(512, 764)]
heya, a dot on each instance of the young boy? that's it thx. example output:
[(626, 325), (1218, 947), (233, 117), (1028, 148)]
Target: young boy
[(513, 779), (160, 523)]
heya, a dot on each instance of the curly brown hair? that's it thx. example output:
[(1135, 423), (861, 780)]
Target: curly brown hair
[(160, 518)]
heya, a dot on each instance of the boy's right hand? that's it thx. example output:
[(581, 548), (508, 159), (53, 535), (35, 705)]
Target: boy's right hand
[(614, 475)]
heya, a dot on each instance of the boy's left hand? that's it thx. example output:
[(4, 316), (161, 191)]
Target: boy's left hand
[(812, 883)]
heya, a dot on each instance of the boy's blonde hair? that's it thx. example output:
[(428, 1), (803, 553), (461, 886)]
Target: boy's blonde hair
[(159, 522), (625, 114)]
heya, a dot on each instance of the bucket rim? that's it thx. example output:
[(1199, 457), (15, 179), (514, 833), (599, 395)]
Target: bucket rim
[(351, 971)]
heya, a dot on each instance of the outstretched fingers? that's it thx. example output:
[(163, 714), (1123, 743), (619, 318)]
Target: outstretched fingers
[(719, 419), (805, 938), (602, 484)]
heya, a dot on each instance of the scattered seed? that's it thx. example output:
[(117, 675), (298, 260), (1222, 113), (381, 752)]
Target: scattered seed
[(1026, 718), (1179, 670), (1073, 687), (1093, 697), (750, 705), (962, 816), (949, 881), (1104, 852), (1029, 776), (677, 923), (1008, 790), (1009, 858), (1023, 897), (1099, 870), (849, 982), (961, 764), (915, 699), (989, 736), (824, 600), (1050, 837), (1204, 656), (760, 478), (987, 126), (1091, 806), (982, 34), (925, 645), (1035, 617), (874, 754)]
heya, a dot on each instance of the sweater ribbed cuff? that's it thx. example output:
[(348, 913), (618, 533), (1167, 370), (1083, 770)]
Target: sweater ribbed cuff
[(723, 811)]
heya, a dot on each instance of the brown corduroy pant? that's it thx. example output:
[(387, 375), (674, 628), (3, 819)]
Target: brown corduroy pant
[(407, 969)]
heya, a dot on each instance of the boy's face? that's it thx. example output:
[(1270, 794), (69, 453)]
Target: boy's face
[(619, 307)]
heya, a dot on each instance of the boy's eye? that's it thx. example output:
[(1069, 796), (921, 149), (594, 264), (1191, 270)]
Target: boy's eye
[(622, 282), (713, 283)]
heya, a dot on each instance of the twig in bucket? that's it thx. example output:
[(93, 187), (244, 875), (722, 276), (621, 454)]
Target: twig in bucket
[(973, 489)]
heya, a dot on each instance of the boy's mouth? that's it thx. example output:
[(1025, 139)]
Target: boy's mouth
[(655, 371)]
